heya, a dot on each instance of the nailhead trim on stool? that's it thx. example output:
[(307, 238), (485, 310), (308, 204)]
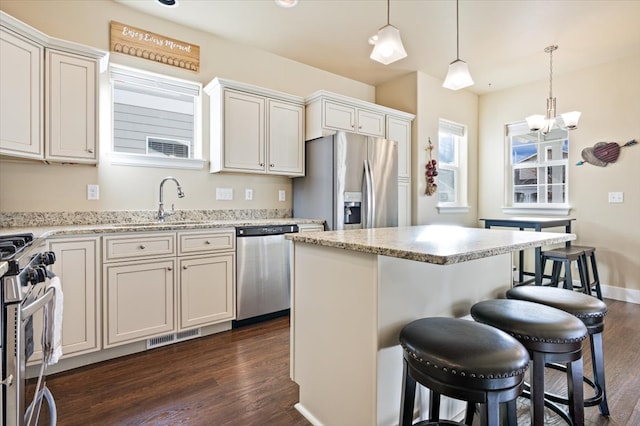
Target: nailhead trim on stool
[(591, 312), (550, 335), (461, 359)]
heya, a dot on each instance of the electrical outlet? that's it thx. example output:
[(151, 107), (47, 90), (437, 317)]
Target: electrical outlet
[(248, 194), (616, 197), (282, 195), (225, 194), (93, 192)]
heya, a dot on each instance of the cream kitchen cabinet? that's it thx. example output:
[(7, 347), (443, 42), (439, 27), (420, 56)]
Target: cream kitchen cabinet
[(21, 85), (399, 130), (77, 266), (404, 202), (255, 130), (49, 95), (351, 119), (139, 286), (207, 277)]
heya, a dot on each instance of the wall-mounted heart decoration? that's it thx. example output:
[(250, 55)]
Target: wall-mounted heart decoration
[(603, 153)]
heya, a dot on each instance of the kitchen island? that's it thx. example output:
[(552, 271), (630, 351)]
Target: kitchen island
[(354, 290)]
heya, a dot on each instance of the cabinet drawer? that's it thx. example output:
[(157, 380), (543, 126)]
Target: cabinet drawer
[(206, 242), (133, 246)]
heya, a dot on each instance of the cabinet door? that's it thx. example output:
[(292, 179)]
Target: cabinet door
[(21, 96), (339, 116), (139, 301), (77, 266), (206, 290), (286, 138), (404, 202), (71, 108), (399, 130), (370, 123), (244, 132)]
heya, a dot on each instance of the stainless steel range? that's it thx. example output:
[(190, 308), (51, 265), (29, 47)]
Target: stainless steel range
[(24, 291)]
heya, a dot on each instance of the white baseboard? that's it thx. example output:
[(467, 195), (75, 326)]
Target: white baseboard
[(628, 295)]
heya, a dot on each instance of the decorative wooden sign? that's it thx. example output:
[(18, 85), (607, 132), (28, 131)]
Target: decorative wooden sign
[(153, 47)]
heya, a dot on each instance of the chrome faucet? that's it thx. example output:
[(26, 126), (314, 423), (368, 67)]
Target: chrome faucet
[(161, 213)]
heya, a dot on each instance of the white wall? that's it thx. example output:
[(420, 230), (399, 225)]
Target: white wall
[(609, 98), (135, 188)]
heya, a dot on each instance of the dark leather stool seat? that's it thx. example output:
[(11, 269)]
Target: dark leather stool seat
[(591, 312), (464, 360), (563, 258), (551, 336)]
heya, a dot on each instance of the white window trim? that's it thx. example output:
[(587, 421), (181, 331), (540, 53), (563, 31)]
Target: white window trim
[(136, 76), (509, 208), (461, 205)]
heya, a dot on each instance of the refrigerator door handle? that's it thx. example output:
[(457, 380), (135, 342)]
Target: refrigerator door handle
[(369, 194)]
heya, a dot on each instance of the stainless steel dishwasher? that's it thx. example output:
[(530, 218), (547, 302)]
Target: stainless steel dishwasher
[(263, 272)]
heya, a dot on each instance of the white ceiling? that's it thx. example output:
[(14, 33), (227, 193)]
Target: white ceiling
[(503, 41)]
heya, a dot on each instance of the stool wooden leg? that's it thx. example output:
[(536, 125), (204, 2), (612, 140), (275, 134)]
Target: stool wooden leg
[(575, 392), (537, 388), (471, 411), (434, 406), (555, 274), (584, 274), (568, 281), (596, 278), (408, 396), (512, 413), (492, 414), (597, 359)]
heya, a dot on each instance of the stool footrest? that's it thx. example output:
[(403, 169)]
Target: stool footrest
[(596, 399)]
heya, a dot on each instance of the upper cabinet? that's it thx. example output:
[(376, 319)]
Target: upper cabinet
[(255, 130), (48, 108)]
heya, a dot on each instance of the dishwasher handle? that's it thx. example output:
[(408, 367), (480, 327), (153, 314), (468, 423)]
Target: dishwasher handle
[(261, 231)]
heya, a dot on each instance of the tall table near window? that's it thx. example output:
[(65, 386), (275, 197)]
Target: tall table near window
[(537, 224)]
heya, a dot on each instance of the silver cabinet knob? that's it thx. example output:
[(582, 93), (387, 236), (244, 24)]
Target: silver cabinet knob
[(142, 247), (90, 151), (261, 164), (170, 268), (207, 242), (272, 165), (185, 267)]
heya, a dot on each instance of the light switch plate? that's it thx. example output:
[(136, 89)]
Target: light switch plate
[(282, 195), (93, 192), (616, 197), (248, 194), (225, 194)]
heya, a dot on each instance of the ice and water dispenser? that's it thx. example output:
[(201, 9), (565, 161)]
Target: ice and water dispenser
[(352, 207)]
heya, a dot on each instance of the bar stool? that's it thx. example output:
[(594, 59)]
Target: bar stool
[(591, 312), (590, 253), (464, 360), (565, 256), (551, 336)]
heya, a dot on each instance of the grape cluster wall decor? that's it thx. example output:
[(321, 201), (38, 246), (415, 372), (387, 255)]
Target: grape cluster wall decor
[(432, 172)]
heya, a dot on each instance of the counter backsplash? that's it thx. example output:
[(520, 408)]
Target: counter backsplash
[(33, 219)]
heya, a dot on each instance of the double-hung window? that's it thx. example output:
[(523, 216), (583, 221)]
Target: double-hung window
[(538, 170), (452, 167), (156, 119)]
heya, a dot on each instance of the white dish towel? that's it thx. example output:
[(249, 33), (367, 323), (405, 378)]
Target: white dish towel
[(53, 327)]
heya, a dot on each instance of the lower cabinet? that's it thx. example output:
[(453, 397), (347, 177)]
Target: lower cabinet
[(160, 283), (139, 300), (206, 290), (77, 267)]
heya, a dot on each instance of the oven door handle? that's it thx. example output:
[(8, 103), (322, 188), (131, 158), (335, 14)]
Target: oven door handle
[(31, 308)]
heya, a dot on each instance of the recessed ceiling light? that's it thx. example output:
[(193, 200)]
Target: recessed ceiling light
[(168, 3), (286, 3)]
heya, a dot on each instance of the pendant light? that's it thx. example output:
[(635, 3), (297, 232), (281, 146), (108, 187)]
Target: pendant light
[(458, 76), (387, 45), (544, 124)]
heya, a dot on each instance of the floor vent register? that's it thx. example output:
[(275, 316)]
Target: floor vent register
[(172, 338)]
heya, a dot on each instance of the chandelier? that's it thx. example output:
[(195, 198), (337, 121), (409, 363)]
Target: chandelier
[(544, 124)]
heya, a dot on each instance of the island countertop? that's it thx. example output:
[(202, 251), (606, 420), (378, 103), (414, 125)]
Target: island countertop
[(437, 244)]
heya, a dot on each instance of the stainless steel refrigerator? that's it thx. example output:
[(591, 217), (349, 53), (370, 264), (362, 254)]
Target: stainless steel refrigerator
[(351, 181)]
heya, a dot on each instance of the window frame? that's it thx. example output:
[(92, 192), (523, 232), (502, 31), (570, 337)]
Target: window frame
[(119, 74), (459, 166), (541, 206)]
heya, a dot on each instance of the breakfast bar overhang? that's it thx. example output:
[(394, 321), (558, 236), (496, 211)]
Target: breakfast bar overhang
[(352, 292)]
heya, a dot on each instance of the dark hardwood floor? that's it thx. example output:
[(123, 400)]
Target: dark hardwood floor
[(241, 377)]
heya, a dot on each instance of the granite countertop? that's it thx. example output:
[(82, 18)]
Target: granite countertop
[(439, 244), (68, 230)]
